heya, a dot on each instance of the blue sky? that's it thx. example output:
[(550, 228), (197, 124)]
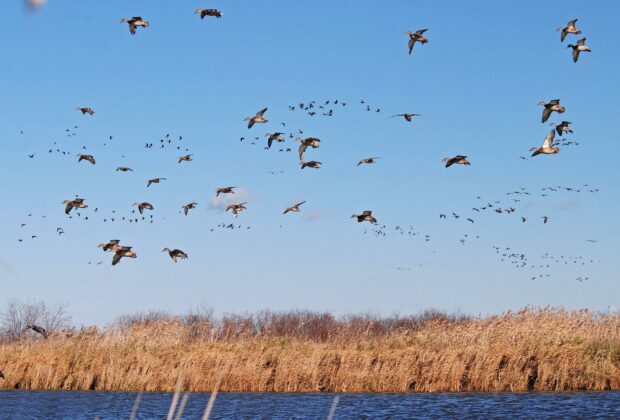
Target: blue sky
[(477, 83)]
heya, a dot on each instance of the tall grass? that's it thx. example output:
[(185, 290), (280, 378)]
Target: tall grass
[(534, 349)]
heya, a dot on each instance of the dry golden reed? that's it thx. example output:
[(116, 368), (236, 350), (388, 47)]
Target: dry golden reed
[(545, 349)]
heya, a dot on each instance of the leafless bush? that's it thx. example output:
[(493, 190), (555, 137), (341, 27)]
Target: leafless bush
[(18, 315)]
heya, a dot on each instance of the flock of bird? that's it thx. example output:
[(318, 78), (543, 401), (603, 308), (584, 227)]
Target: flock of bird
[(308, 145)]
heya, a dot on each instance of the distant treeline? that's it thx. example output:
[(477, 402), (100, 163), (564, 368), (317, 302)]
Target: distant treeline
[(535, 349)]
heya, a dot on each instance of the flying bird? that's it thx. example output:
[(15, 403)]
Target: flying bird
[(86, 110), (236, 208), (154, 181), (123, 169), (274, 136), (569, 29), (224, 190), (305, 143), (547, 146), (123, 251), (368, 160), (77, 203), (563, 127), (135, 22), (112, 245), (407, 116), (366, 216), (579, 48), (293, 208), (416, 37), (187, 207), (258, 118), (175, 253), (458, 159), (186, 158), (144, 205), (312, 164), (553, 105), (37, 329), (88, 158), (208, 12)]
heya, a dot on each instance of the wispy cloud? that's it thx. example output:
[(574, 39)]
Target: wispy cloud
[(224, 200), (312, 216), (573, 203)]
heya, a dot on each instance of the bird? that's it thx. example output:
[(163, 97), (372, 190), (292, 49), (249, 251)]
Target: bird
[(563, 127), (545, 219), (143, 205), (368, 160), (175, 253), (552, 105), (416, 37), (77, 203), (274, 136), (312, 164), (258, 118), (579, 48), (208, 12), (86, 110), (134, 22), (154, 181), (236, 208), (123, 169), (60, 231), (547, 146), (123, 251), (293, 208), (112, 245), (89, 158), (186, 158), (366, 216), (187, 207), (37, 329), (569, 29), (458, 159), (407, 116), (224, 190), (310, 141)]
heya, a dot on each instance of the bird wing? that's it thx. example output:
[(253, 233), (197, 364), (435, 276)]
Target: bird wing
[(582, 41), (546, 114), (411, 44), (261, 112), (117, 257), (269, 142), (548, 142), (571, 24), (563, 35), (575, 55), (250, 123), (421, 31), (132, 28), (299, 204), (68, 207), (302, 150)]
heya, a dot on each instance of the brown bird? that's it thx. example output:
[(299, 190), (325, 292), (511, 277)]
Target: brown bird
[(154, 181), (416, 37), (186, 158), (86, 110), (112, 245), (368, 160), (224, 190), (258, 118), (580, 47), (553, 105), (123, 169), (563, 127), (134, 22), (123, 251), (236, 208), (310, 141), (458, 159), (89, 158), (142, 206), (175, 253), (37, 329), (77, 203), (208, 12), (293, 208), (186, 208), (569, 29), (547, 147), (366, 216), (407, 116), (274, 136), (312, 164)]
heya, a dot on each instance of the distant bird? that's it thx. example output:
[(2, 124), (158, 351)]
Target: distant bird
[(274, 136), (416, 37), (547, 146), (37, 329), (112, 245), (312, 164), (154, 181), (123, 251), (144, 205), (89, 158), (224, 190), (442, 216), (123, 169), (545, 219), (208, 12), (77, 203), (186, 158), (60, 231), (368, 160), (135, 22), (86, 110), (366, 216), (563, 127), (236, 208), (407, 116), (175, 253), (458, 159), (187, 207), (293, 208), (523, 219), (569, 29), (305, 143), (553, 105), (579, 48), (258, 118)]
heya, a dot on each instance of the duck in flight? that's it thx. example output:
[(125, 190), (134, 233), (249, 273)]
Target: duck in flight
[(258, 118), (88, 158), (135, 22), (187, 207), (579, 48), (37, 329), (124, 169), (224, 190), (208, 12), (366, 216), (175, 253), (552, 105), (305, 143), (563, 127), (312, 164), (293, 208), (123, 251), (154, 181), (142, 206), (186, 158), (547, 146), (569, 29), (76, 203), (368, 161), (236, 208), (274, 137), (86, 110), (408, 117), (458, 159), (416, 36), (112, 245)]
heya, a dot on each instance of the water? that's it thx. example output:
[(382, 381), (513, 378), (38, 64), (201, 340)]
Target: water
[(118, 405)]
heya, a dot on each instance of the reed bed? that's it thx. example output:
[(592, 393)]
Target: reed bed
[(534, 349)]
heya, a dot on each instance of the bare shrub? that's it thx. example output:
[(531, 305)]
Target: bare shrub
[(18, 315)]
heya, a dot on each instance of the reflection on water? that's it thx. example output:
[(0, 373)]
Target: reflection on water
[(117, 405)]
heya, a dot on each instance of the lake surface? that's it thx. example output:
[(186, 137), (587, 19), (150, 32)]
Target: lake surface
[(118, 405)]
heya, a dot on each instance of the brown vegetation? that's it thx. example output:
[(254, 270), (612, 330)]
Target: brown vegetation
[(533, 349)]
